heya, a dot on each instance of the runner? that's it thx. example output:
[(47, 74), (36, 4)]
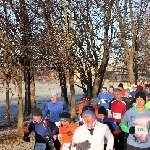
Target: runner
[(66, 130), (118, 109), (90, 136), (104, 98), (45, 131), (136, 122)]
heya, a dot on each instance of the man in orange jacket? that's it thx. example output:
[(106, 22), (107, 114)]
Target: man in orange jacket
[(66, 130)]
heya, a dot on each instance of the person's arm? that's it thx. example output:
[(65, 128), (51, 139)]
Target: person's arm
[(65, 108), (124, 123), (110, 139), (29, 129), (99, 99), (110, 97), (75, 139), (46, 111)]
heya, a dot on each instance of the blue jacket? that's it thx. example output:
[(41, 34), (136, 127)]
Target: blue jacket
[(111, 124), (42, 129), (55, 109), (104, 99), (133, 93)]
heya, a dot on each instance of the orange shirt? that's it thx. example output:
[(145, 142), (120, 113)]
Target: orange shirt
[(80, 107), (64, 130)]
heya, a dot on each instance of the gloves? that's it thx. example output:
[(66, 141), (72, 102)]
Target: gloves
[(83, 145), (47, 138), (132, 130), (26, 139), (117, 131)]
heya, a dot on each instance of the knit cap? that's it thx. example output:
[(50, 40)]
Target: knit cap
[(65, 116), (141, 95), (102, 110), (89, 112), (37, 112), (54, 94)]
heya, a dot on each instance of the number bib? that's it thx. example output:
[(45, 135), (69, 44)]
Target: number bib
[(117, 115), (66, 146), (40, 146), (141, 130)]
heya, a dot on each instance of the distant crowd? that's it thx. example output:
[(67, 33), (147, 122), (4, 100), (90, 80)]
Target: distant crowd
[(120, 120)]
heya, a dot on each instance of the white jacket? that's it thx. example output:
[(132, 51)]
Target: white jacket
[(82, 134)]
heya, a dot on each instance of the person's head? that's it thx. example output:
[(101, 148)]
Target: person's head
[(54, 97), (118, 95), (85, 99), (138, 82), (91, 108), (88, 117), (102, 113), (111, 89), (104, 90), (37, 115), (140, 99), (120, 86), (134, 87), (65, 118), (127, 93), (129, 84)]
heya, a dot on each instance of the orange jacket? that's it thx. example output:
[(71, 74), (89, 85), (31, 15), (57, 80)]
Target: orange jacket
[(80, 107), (67, 132)]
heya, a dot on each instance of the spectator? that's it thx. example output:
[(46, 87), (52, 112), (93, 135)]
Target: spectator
[(128, 86)]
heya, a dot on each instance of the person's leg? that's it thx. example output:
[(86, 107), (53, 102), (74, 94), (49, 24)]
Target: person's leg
[(105, 145), (116, 142), (57, 144), (121, 136)]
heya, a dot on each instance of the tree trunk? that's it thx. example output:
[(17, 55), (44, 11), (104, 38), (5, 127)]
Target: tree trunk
[(7, 100), (130, 68), (89, 82), (99, 74), (20, 128), (62, 78), (72, 90), (32, 93), (26, 96)]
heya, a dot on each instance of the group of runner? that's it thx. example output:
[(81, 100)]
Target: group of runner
[(120, 121)]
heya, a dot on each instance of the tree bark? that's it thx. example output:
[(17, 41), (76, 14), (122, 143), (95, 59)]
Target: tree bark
[(20, 128), (72, 90), (7, 100), (62, 78), (32, 93)]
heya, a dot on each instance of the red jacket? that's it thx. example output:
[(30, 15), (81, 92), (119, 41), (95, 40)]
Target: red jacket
[(118, 109)]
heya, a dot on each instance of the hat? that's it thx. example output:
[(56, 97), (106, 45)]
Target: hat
[(88, 112), (37, 112), (128, 90), (65, 116), (102, 110), (141, 95), (54, 94), (120, 85), (86, 97)]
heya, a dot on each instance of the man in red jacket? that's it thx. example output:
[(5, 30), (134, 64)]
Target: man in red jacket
[(118, 109)]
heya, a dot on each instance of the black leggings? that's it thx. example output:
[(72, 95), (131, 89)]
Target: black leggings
[(129, 147)]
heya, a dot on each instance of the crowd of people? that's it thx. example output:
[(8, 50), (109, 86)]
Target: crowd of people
[(120, 121)]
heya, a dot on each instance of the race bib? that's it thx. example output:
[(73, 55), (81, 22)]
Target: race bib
[(104, 101), (141, 130), (117, 115), (40, 146), (66, 146)]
